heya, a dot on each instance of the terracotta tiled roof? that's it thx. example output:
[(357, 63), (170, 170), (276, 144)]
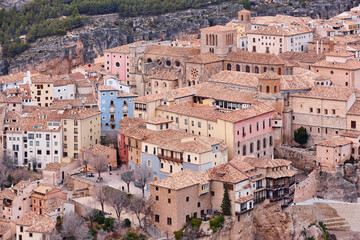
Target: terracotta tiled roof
[(340, 54), (124, 48), (269, 75), (21, 185), (309, 57), (54, 166), (247, 113), (42, 79), (149, 98), (244, 199), (131, 122), (236, 78), (217, 28), (5, 227), (227, 173), (43, 189), (328, 92), (7, 193), (266, 163), (63, 82), (173, 51), (335, 142), (205, 112), (240, 164), (136, 132), (12, 78), (98, 149), (37, 223), (350, 134), (204, 58), (165, 74), (279, 31), (106, 88), (158, 120), (351, 64), (183, 179), (77, 76), (355, 108), (80, 113), (219, 92), (242, 56)]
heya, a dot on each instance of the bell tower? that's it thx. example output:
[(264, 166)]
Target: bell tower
[(244, 19), (219, 40)]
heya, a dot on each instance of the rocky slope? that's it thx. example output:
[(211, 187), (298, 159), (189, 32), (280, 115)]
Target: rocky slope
[(344, 185), (60, 54), (7, 4)]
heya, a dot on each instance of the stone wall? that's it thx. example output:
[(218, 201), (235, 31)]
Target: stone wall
[(300, 159), (306, 188)]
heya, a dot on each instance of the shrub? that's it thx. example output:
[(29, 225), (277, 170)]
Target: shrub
[(127, 222), (131, 236), (100, 219), (109, 222), (98, 227), (179, 234), (142, 236), (216, 223), (301, 136), (196, 222), (92, 232)]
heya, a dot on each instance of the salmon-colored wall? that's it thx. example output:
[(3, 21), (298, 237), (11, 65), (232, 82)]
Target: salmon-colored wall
[(110, 64)]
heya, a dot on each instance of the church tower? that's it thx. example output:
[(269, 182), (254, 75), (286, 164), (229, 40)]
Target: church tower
[(219, 40)]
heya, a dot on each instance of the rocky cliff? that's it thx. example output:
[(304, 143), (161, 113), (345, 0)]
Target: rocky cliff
[(56, 55), (342, 185)]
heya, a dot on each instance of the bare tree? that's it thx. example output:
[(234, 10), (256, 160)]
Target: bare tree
[(98, 162), (101, 196), (6, 166), (111, 138), (55, 236), (128, 177), (73, 226), (140, 207), (84, 160), (118, 200), (142, 175), (91, 213), (19, 175)]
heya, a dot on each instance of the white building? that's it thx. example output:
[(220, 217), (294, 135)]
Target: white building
[(112, 81), (64, 89), (34, 139), (277, 39)]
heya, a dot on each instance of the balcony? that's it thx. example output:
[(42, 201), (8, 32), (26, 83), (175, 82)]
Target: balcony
[(259, 200), (287, 203), (170, 158), (112, 109)]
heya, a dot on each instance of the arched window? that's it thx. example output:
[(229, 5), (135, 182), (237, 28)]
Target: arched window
[(247, 69), (125, 102), (207, 39), (228, 67), (256, 69), (189, 83), (279, 71), (149, 60), (164, 84), (274, 89), (238, 67), (156, 84), (193, 82), (265, 69), (267, 89), (168, 63), (242, 18)]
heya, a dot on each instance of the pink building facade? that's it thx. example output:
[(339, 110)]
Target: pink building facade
[(255, 136), (118, 64)]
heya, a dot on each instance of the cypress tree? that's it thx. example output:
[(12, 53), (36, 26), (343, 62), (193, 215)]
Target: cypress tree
[(226, 202)]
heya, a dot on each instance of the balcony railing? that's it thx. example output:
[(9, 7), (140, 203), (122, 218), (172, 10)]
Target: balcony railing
[(260, 199), (170, 158)]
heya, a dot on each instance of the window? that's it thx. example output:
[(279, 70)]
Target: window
[(168, 221), (353, 124), (192, 123), (157, 218), (333, 111), (199, 204), (199, 124), (258, 145), (169, 200), (187, 199), (157, 198), (186, 122), (244, 150), (318, 110), (311, 110), (270, 141)]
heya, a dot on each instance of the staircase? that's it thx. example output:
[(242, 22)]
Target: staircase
[(336, 223)]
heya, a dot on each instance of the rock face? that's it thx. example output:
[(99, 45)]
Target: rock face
[(7, 4), (56, 55), (343, 185)]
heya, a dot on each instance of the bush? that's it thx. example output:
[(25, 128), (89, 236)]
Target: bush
[(109, 223), (131, 236), (195, 222), (98, 227), (142, 236), (93, 232), (301, 136), (127, 222), (179, 234), (216, 223), (100, 219), (60, 32)]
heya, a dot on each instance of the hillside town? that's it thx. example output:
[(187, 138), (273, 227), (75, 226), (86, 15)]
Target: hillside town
[(245, 131)]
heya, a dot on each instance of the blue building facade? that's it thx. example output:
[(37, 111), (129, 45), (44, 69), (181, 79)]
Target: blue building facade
[(114, 106)]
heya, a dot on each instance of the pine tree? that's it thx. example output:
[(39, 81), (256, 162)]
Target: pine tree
[(226, 202)]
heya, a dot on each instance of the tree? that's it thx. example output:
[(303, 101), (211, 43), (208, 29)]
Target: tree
[(111, 138), (19, 175), (85, 158), (118, 200), (142, 174), (74, 227), (301, 136), (7, 164), (101, 197), (128, 177), (246, 4), (226, 202), (92, 214), (138, 206), (98, 162)]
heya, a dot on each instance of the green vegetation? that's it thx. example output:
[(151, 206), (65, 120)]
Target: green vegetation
[(246, 4), (179, 234), (301, 136), (127, 222), (226, 202), (216, 222), (195, 222), (134, 236), (43, 18)]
